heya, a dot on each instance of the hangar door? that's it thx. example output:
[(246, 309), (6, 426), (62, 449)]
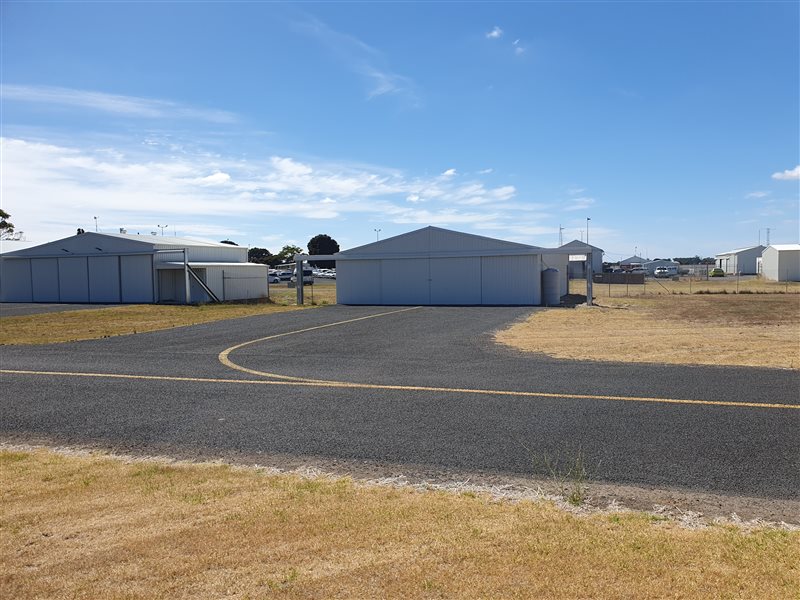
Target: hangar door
[(475, 280)]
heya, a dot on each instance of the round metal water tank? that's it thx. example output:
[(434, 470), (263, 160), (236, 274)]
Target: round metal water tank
[(551, 294)]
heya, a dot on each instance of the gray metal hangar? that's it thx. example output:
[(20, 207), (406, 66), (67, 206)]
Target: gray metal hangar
[(122, 268), (434, 266)]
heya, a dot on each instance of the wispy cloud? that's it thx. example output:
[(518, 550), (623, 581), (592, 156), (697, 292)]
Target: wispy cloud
[(788, 174), (146, 183), (518, 48), (579, 203), (757, 195), (130, 106), (364, 60), (495, 34)]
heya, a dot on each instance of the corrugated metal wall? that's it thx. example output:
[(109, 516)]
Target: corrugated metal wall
[(358, 282), (514, 280), (240, 283), (136, 278), (44, 278), (73, 279), (15, 281), (454, 281), (104, 279)]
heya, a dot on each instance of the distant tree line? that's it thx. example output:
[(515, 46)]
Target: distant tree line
[(694, 260)]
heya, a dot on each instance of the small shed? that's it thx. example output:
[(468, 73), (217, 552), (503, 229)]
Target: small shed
[(633, 260), (781, 262), (741, 260), (435, 266), (577, 267), (121, 268)]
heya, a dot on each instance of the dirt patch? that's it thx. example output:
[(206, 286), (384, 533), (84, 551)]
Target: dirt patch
[(756, 330)]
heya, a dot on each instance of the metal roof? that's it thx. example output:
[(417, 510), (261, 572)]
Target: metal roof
[(738, 250), (785, 247)]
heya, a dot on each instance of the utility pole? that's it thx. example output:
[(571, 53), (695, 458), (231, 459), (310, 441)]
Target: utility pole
[(560, 235), (95, 224), (587, 229), (767, 236), (377, 234)]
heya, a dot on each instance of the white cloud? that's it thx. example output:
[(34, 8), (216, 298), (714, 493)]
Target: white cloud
[(152, 184), (449, 173), (757, 195), (579, 203), (518, 49), (485, 171), (788, 174), (217, 178), (495, 33), (130, 106)]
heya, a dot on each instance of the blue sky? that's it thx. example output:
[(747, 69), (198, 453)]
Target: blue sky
[(674, 126)]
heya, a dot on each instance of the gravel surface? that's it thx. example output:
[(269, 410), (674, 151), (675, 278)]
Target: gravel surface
[(723, 451)]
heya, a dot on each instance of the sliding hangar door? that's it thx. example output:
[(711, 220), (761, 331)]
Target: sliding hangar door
[(465, 280)]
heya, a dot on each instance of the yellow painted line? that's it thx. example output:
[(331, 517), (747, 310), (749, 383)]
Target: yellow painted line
[(223, 356), (405, 388)]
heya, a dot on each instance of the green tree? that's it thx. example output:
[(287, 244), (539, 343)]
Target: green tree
[(323, 244), (286, 254), (6, 226), (261, 256)]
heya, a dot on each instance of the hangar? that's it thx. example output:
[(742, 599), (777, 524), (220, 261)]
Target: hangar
[(741, 261), (121, 268), (435, 266), (781, 262)]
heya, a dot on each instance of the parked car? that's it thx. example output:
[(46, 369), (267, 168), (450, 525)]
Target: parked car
[(273, 278), (665, 272), (308, 277), (716, 272), (285, 275)]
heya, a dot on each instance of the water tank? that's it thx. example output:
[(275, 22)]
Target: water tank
[(551, 292)]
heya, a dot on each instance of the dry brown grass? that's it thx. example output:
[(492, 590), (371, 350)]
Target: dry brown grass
[(685, 285), (93, 527), (91, 324), (759, 330)]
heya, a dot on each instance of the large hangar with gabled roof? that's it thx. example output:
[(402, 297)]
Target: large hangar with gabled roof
[(435, 266), (109, 268)]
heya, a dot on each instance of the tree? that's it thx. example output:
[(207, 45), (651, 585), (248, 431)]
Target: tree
[(286, 254), (6, 226), (261, 256), (323, 244)]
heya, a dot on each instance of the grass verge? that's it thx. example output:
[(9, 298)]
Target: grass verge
[(758, 330), (91, 324), (92, 527)]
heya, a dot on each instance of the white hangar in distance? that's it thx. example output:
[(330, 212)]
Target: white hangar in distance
[(121, 268), (435, 266)]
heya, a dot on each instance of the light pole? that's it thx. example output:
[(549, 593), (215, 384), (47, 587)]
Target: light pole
[(377, 234), (587, 229), (95, 224), (162, 228)]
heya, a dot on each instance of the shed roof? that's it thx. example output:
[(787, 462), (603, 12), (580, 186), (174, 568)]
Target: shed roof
[(738, 250), (785, 247), (92, 241), (580, 244), (435, 240)]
